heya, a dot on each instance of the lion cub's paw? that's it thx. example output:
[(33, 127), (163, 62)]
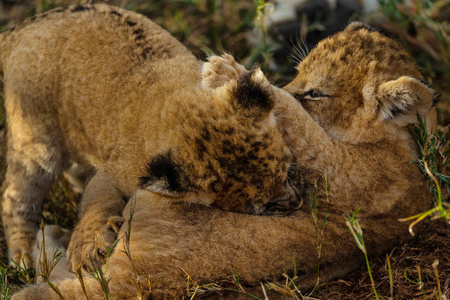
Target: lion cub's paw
[(21, 256), (90, 243), (219, 70)]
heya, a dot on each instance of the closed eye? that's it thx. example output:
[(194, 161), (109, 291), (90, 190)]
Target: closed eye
[(314, 94)]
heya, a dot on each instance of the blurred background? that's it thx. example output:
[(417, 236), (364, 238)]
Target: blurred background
[(277, 35)]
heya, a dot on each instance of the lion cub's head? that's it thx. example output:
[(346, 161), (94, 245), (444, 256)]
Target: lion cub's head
[(225, 150), (361, 86)]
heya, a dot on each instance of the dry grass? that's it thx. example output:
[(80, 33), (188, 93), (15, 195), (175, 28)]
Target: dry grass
[(405, 261), (214, 26)]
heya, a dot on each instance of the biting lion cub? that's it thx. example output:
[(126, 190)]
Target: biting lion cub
[(109, 88), (355, 94)]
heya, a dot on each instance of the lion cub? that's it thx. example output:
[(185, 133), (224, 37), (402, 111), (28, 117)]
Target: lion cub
[(354, 96), (109, 88)]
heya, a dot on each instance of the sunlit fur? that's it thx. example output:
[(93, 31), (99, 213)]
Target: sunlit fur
[(107, 87), (371, 172)]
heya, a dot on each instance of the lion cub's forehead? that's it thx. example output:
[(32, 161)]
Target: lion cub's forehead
[(232, 137), (228, 143), (350, 57)]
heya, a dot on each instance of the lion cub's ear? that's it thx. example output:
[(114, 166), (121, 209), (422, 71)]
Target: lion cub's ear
[(253, 94), (164, 177), (356, 25), (402, 99)]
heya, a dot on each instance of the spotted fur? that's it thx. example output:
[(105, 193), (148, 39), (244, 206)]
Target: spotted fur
[(109, 88)]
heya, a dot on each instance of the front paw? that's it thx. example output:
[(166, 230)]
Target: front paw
[(91, 242), (21, 254), (21, 241), (219, 70)]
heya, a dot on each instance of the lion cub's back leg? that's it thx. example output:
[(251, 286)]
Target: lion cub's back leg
[(34, 157)]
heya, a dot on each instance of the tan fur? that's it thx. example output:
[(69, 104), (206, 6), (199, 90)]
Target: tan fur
[(109, 88), (372, 172), (358, 136)]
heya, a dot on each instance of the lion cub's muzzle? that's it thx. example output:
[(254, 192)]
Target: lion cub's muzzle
[(291, 200)]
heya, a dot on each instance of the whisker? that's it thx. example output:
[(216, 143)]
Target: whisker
[(300, 49), (304, 44), (296, 53), (294, 58)]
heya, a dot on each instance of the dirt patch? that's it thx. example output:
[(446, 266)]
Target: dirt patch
[(407, 261)]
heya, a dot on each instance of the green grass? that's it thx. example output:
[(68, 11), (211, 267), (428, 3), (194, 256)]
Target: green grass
[(433, 160), (355, 228), (319, 225), (421, 22), (45, 267), (6, 291)]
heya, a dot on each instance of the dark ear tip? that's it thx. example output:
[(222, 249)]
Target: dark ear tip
[(253, 91), (255, 68), (436, 94), (436, 98), (163, 172), (143, 180), (357, 25)]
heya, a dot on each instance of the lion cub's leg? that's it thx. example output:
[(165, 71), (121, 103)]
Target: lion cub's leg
[(219, 70), (34, 157), (95, 233)]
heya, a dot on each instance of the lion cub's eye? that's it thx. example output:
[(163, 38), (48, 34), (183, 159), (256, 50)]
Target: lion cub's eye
[(314, 94)]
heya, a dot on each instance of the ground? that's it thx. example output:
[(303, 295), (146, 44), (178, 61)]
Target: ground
[(216, 26)]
